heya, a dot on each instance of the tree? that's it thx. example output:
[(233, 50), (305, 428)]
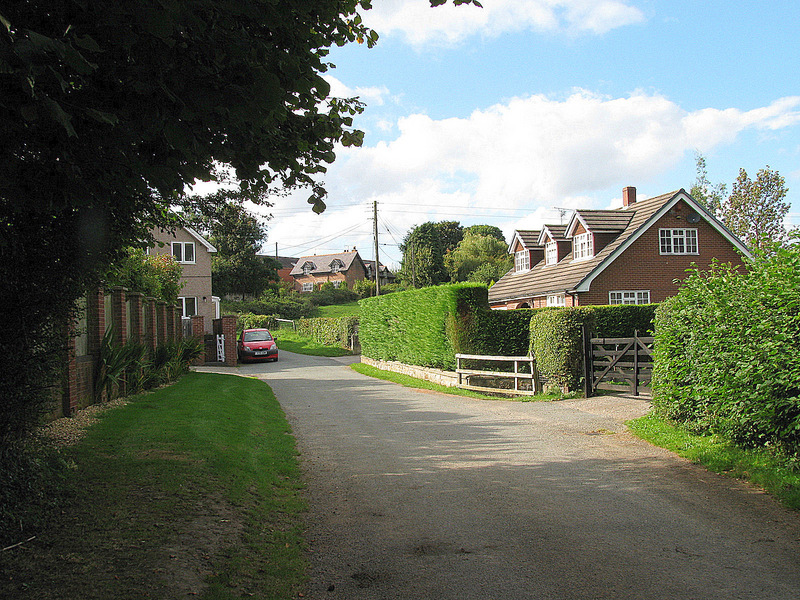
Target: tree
[(238, 235), (712, 196), (108, 109), (156, 275), (477, 257), (424, 248), (489, 230), (755, 210)]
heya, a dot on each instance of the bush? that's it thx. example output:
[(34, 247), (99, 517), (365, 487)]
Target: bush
[(281, 307), (557, 344), (328, 330), (727, 354), (251, 321), (622, 320)]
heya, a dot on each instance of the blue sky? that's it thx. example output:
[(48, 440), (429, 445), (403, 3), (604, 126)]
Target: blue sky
[(498, 115)]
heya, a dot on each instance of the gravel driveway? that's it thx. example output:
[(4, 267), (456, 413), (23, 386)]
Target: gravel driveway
[(418, 495)]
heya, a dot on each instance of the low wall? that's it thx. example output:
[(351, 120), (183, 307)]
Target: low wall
[(445, 378)]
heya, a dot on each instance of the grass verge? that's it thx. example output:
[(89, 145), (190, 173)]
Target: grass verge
[(294, 342), (192, 490), (413, 382), (339, 310), (719, 455)]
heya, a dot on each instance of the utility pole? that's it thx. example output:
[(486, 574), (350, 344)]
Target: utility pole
[(377, 262), (413, 266)]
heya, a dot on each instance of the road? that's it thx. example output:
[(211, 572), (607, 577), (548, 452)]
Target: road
[(417, 495)]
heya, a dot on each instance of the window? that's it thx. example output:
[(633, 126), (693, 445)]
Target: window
[(522, 261), (308, 287), (551, 253), (336, 266), (183, 252), (188, 305), (307, 268), (678, 241), (337, 284), (583, 246), (629, 297), (555, 300)]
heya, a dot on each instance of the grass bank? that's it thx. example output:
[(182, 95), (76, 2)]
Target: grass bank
[(758, 466), (294, 342), (192, 490)]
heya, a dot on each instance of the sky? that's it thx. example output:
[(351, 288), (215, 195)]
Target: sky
[(503, 115)]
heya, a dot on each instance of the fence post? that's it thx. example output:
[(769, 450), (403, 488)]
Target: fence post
[(588, 371), (635, 362)]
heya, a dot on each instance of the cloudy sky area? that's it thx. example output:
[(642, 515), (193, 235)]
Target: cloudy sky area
[(499, 115)]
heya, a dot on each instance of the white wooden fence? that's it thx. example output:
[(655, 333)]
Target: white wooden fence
[(530, 374)]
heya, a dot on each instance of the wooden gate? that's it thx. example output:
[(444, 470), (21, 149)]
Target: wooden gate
[(619, 364)]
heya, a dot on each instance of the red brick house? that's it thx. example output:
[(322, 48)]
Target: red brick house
[(344, 268), (630, 255)]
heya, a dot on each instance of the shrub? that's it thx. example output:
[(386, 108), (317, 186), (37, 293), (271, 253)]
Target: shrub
[(251, 321), (727, 355), (327, 294), (328, 330), (268, 304), (557, 344), (622, 320)]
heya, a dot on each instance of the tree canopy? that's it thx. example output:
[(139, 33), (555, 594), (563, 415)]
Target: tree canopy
[(755, 210), (711, 195), (109, 109), (477, 257)]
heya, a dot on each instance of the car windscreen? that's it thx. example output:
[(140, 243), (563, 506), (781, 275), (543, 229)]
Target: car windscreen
[(257, 336)]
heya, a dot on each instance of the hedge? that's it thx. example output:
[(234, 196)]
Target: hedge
[(622, 320), (251, 321), (556, 341), (727, 353), (428, 326), (332, 331)]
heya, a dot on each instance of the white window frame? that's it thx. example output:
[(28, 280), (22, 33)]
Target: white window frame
[(522, 260), (551, 253), (583, 246), (308, 286), (182, 300), (180, 254), (678, 241), (629, 297), (556, 300), (336, 266), (337, 283), (307, 268)]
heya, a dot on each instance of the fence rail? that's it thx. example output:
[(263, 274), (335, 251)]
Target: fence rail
[(465, 375)]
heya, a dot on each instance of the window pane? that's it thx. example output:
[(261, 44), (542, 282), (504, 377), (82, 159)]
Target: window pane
[(177, 251)]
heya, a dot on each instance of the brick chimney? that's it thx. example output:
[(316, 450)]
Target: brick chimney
[(628, 196)]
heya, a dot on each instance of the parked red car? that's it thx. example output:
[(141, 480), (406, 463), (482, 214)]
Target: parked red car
[(257, 344)]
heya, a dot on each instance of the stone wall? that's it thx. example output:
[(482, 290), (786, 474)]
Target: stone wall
[(445, 378)]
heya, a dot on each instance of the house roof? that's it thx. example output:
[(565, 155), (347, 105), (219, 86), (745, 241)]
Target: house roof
[(528, 238), (576, 276), (370, 264), (322, 263), (286, 262), (554, 232), (201, 239)]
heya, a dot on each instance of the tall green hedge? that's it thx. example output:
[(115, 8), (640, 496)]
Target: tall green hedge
[(252, 321), (429, 326), (727, 353), (333, 331), (622, 320)]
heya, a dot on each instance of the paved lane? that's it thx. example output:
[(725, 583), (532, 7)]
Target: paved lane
[(424, 495)]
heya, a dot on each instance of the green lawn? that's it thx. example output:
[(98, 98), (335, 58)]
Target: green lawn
[(192, 490), (339, 310), (294, 342)]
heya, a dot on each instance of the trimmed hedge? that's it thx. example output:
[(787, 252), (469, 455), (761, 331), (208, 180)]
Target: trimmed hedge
[(251, 321), (285, 308), (557, 344), (622, 320), (428, 326), (331, 331)]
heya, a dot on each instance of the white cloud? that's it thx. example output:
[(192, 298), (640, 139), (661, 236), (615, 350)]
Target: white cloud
[(373, 96), (521, 157), (419, 23)]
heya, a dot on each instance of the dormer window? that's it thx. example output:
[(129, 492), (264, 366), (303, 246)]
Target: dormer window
[(307, 268), (583, 246), (336, 266), (522, 261), (551, 253)]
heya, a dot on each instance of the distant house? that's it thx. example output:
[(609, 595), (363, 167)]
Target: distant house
[(342, 269), (386, 275), (193, 252), (631, 255), (287, 264)]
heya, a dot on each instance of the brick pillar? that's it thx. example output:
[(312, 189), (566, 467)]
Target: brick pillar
[(199, 331), (178, 318), (169, 324), (95, 320), (161, 322), (136, 332), (150, 338), (69, 397), (119, 314), (229, 331)]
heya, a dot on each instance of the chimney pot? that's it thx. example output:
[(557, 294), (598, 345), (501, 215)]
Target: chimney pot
[(628, 196)]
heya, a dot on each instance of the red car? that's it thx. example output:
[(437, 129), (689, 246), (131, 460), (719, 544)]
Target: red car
[(257, 344)]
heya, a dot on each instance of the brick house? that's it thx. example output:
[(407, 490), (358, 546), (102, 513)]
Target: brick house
[(193, 252), (344, 268), (629, 255), (386, 276), (287, 263)]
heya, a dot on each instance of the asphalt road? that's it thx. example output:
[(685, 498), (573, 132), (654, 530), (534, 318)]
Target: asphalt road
[(418, 495)]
